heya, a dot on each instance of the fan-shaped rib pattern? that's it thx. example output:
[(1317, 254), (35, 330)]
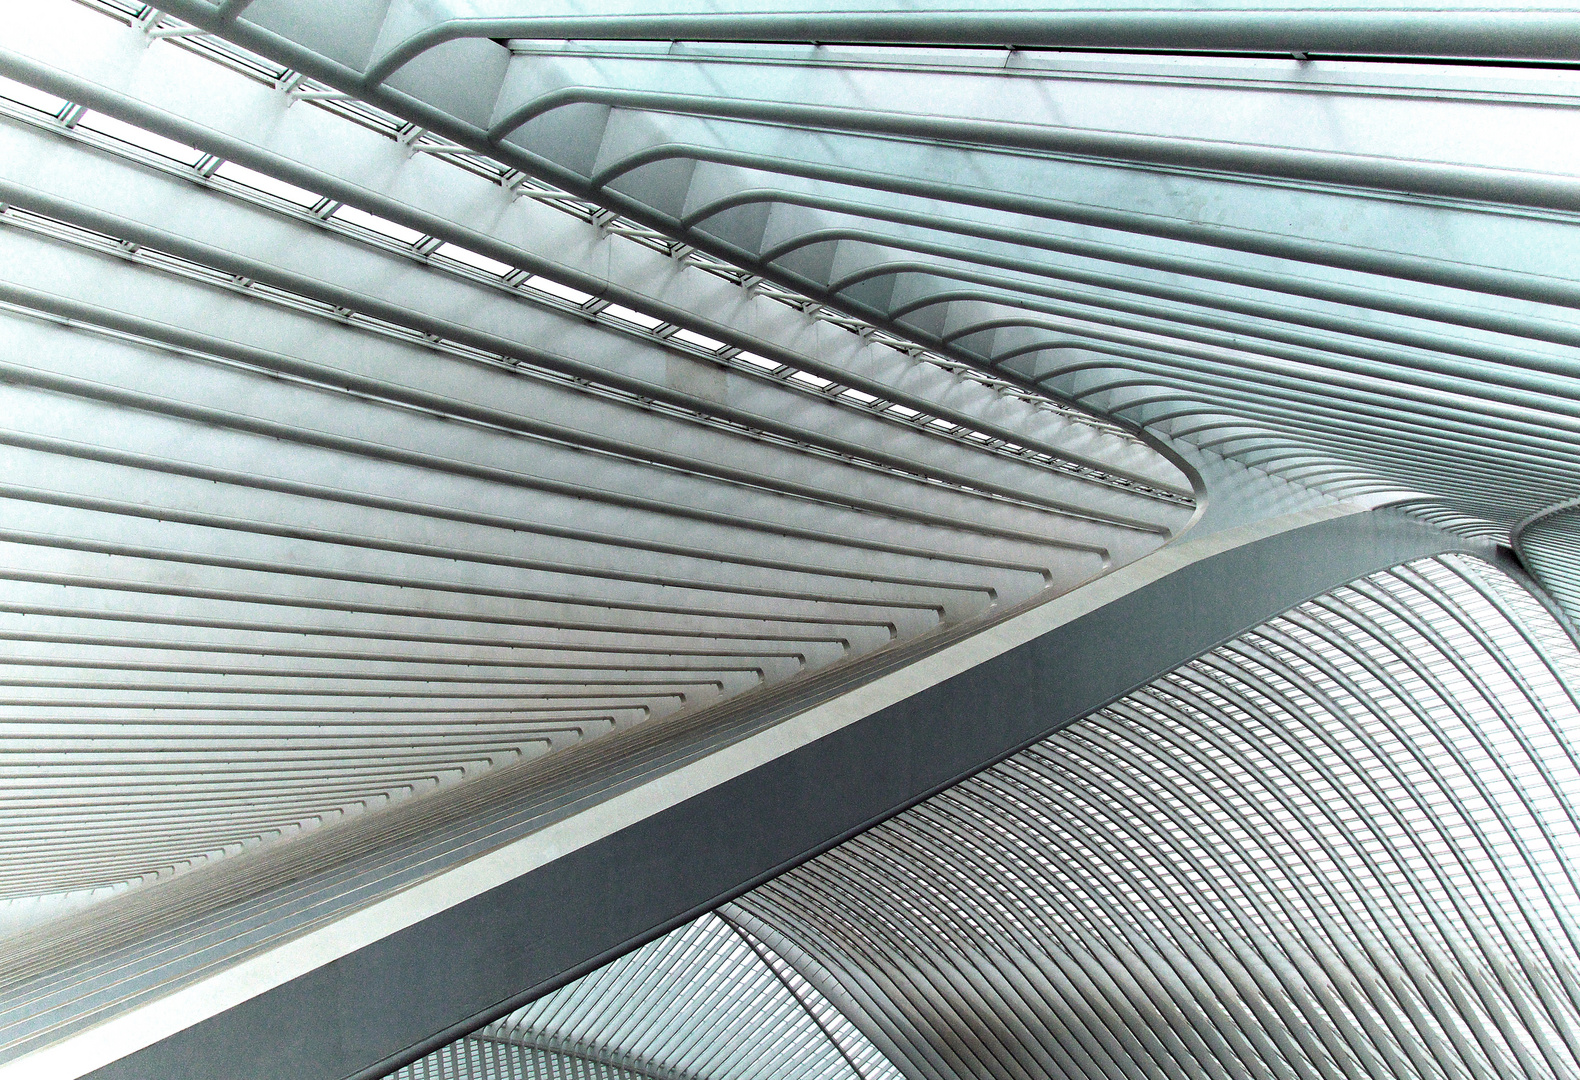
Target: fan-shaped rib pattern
[(1341, 845), (709, 1000)]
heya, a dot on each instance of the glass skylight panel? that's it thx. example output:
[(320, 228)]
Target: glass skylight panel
[(102, 124), (625, 314), (470, 258), (701, 341), (811, 380), (382, 226), (758, 361), (23, 94), (268, 185), (555, 289)]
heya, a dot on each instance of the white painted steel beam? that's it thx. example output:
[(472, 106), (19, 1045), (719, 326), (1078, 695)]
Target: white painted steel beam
[(614, 442), (182, 97), (1415, 219)]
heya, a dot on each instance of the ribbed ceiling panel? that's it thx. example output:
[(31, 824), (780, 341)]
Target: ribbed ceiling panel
[(1549, 546), (319, 494), (707, 1000), (1290, 237), (393, 396), (1343, 845)]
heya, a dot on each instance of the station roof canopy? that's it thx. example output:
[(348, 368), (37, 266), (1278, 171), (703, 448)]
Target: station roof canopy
[(1064, 521)]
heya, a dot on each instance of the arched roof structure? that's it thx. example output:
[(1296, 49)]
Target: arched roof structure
[(487, 484), (1342, 844), (1378, 249)]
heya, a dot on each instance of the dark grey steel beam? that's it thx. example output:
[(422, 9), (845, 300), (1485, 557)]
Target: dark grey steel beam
[(375, 1008)]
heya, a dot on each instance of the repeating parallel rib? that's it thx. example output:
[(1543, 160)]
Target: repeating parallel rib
[(1342, 845), (483, 1058), (317, 493), (1358, 276), (709, 1000)]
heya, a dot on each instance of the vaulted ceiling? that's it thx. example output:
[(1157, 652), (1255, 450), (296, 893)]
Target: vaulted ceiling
[(427, 422)]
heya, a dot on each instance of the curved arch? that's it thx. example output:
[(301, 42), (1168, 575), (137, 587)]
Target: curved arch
[(1299, 801), (1405, 267), (708, 1001), (1548, 544)]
